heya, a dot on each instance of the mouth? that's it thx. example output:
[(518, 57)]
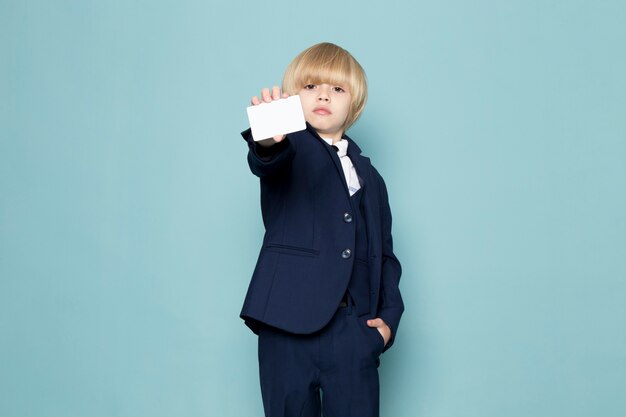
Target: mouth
[(322, 111)]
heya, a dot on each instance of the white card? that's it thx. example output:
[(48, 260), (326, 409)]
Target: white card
[(278, 117)]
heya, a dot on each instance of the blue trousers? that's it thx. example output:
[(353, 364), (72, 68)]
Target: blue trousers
[(334, 370)]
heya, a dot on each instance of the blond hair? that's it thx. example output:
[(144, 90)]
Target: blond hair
[(330, 64)]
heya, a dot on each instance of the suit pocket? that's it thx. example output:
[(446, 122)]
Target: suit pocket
[(377, 342), (291, 250)]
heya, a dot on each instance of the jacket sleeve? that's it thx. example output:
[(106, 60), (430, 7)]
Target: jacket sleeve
[(391, 305), (269, 161)]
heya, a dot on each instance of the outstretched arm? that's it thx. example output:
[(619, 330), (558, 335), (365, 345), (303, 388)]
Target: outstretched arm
[(272, 155)]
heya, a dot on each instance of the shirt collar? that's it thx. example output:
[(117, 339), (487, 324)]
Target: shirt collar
[(342, 146)]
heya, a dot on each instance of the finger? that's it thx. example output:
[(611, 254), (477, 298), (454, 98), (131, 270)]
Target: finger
[(285, 95), (255, 101), (265, 93), (276, 92), (375, 322)]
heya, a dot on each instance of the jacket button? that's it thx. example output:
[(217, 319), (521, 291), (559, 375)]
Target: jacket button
[(347, 217), (346, 254)]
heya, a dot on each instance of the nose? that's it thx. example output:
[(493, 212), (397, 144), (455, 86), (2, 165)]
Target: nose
[(323, 94), (323, 97)]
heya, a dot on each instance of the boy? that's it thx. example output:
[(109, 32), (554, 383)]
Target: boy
[(324, 295)]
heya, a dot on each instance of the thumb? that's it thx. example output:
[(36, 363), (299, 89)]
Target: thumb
[(375, 322)]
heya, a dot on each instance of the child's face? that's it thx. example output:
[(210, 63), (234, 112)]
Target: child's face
[(326, 107)]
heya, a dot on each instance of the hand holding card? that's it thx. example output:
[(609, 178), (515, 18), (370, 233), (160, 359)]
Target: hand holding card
[(278, 117)]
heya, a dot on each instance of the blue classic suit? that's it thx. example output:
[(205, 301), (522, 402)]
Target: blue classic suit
[(307, 257)]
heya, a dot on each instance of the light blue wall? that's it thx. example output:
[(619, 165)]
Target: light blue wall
[(129, 223)]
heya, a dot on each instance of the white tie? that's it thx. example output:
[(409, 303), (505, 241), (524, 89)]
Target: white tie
[(348, 168)]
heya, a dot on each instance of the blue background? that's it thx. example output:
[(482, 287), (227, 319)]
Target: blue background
[(130, 224)]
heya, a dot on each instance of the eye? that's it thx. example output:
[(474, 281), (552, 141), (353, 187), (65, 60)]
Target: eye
[(309, 87), (338, 89)]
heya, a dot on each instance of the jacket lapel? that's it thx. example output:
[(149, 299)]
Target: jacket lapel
[(361, 163), (333, 155)]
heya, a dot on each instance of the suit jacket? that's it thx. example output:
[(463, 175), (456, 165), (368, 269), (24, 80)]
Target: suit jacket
[(303, 267)]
